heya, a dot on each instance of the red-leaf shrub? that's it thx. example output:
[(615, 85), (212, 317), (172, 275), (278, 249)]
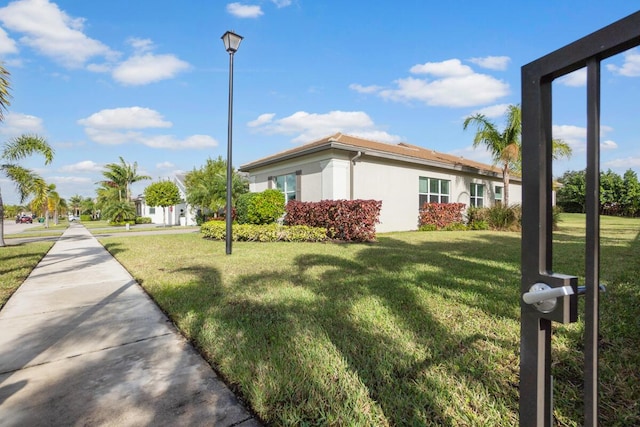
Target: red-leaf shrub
[(350, 220), (441, 215)]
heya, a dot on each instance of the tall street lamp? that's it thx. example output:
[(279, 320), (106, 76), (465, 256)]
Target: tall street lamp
[(231, 43)]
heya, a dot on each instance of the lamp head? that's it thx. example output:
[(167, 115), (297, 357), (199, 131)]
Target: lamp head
[(231, 41)]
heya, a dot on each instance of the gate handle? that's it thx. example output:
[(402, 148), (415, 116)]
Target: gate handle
[(544, 298)]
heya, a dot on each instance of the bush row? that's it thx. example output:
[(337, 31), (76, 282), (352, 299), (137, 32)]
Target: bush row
[(440, 216), (217, 230), (349, 220), (449, 216), (260, 208)]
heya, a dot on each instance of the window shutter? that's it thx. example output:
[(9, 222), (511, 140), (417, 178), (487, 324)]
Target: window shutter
[(270, 182), (298, 185)]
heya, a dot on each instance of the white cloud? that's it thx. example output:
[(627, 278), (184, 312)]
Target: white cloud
[(81, 167), (148, 68), (140, 45), (365, 89), (625, 163), (498, 63), (173, 143), (493, 111), (70, 180), (576, 136), (165, 165), (123, 125), (261, 120), (448, 68), (125, 118), (53, 33), (7, 44), (310, 126), (282, 3), (455, 85), (16, 124), (576, 79), (631, 65), (240, 10)]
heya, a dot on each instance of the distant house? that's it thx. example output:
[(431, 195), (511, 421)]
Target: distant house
[(402, 176), (180, 214)]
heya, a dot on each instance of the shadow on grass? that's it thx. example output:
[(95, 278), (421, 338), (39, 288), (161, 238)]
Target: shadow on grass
[(401, 334), (619, 331)]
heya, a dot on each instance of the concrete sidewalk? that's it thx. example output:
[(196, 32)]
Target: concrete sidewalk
[(82, 344)]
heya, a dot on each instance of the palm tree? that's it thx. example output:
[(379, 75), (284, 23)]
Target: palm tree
[(121, 176), (75, 202), (505, 146), (46, 199), (4, 90), (14, 150)]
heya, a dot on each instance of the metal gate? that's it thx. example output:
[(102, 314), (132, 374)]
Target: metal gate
[(549, 296)]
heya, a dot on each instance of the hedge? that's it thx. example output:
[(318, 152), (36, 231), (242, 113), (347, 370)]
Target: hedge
[(217, 230), (349, 220), (440, 215)]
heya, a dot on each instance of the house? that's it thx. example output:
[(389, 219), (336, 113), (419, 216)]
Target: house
[(180, 214), (402, 176)]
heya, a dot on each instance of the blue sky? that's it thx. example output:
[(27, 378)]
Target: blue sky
[(148, 79)]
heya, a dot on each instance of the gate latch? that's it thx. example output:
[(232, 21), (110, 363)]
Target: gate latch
[(544, 298)]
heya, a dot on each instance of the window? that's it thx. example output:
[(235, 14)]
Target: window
[(498, 195), (433, 190), (477, 195), (287, 184), (152, 211)]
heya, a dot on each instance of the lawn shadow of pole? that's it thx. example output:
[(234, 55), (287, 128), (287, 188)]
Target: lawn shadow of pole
[(402, 366)]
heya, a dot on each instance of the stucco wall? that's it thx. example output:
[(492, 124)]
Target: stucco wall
[(332, 175)]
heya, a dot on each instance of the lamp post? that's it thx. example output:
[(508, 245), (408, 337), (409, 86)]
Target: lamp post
[(231, 43)]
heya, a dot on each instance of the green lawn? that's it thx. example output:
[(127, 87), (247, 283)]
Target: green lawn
[(415, 329), (16, 262)]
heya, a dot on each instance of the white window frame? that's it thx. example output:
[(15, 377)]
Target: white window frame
[(438, 196), (281, 183), (476, 200)]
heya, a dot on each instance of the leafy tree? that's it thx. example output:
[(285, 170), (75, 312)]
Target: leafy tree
[(260, 208), (206, 187), (14, 150), (163, 193), (571, 194), (610, 192), (631, 193), (505, 146)]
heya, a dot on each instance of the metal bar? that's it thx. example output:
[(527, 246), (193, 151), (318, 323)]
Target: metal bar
[(604, 43), (592, 247), (229, 213), (535, 344)]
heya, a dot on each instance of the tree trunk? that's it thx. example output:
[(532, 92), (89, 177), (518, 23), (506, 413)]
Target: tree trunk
[(505, 181), (1, 221)]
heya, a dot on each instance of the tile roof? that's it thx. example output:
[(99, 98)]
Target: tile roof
[(401, 151)]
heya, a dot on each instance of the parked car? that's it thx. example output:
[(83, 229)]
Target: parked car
[(72, 218), (24, 219)]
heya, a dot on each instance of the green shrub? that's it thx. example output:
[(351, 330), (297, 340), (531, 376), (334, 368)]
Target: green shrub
[(505, 217), (456, 226), (260, 208), (85, 218), (478, 225), (428, 227), (143, 220), (216, 230)]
